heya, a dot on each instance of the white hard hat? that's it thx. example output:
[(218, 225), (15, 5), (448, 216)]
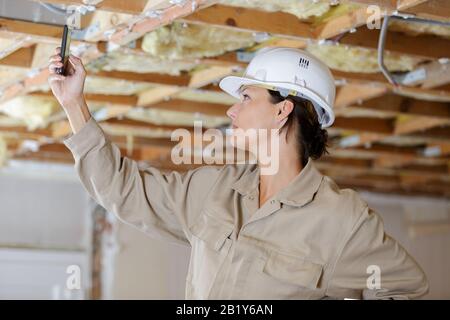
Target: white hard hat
[(291, 72)]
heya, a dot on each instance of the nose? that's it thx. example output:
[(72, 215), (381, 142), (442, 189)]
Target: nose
[(232, 111)]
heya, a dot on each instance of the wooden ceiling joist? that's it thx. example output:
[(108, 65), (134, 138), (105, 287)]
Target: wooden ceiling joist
[(372, 116), (119, 6)]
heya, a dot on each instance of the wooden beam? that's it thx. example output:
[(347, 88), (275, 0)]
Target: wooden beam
[(107, 98), (376, 125), (122, 6), (391, 4), (90, 52), (432, 9), (276, 23), (343, 23), (140, 27), (156, 78), (439, 134), (356, 93), (211, 109), (22, 57), (396, 104), (409, 124), (10, 26), (423, 45)]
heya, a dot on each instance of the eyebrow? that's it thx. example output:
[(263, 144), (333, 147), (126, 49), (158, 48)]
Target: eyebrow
[(242, 89)]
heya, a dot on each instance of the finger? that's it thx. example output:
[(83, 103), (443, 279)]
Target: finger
[(53, 66), (76, 61), (56, 78), (58, 50), (55, 59)]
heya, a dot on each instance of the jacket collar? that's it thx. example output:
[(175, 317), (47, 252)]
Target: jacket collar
[(299, 192)]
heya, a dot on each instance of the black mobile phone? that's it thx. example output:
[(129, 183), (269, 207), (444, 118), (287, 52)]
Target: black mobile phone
[(65, 50)]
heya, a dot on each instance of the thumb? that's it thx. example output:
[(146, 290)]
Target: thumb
[(75, 60), (76, 63)]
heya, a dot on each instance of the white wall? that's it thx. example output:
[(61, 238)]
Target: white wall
[(44, 228), (145, 268)]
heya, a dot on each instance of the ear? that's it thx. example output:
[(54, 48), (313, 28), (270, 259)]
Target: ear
[(284, 110)]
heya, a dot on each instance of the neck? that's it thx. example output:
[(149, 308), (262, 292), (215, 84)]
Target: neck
[(290, 165)]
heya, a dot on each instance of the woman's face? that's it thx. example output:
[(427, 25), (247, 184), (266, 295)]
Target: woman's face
[(255, 111)]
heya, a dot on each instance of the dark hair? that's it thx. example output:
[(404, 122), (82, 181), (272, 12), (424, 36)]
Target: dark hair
[(312, 139)]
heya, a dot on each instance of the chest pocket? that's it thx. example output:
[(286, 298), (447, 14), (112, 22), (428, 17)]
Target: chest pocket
[(210, 246), (281, 276), (212, 231), (293, 270)]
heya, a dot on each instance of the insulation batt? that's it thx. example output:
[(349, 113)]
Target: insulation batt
[(121, 61), (100, 85), (353, 59), (34, 111), (180, 41), (303, 9), (166, 117)]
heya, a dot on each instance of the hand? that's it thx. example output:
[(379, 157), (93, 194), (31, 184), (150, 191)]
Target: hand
[(67, 89)]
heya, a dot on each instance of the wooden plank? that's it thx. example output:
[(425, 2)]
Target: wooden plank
[(432, 9), (277, 23), (391, 4), (344, 23), (30, 28), (122, 6), (146, 24), (365, 124), (409, 124), (22, 57), (156, 78), (424, 45), (356, 93), (392, 103), (107, 98), (211, 109), (91, 52)]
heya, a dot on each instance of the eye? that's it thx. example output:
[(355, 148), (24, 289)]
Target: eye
[(245, 97)]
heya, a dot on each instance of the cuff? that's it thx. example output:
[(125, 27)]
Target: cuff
[(89, 136)]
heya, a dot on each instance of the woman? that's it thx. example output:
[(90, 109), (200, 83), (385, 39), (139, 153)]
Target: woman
[(291, 234)]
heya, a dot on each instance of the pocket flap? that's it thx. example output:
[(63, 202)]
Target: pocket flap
[(292, 269), (211, 230)]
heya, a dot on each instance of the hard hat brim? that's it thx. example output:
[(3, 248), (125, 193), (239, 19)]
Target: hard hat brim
[(232, 84)]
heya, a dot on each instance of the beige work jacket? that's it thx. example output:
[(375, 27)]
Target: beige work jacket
[(310, 241)]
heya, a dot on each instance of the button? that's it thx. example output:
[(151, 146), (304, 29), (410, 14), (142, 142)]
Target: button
[(251, 197), (272, 202)]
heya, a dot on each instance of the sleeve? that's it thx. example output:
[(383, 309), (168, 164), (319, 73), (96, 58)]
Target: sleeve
[(161, 205), (372, 265)]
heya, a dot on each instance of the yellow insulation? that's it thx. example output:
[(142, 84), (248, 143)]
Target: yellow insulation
[(357, 59), (206, 96), (184, 41), (122, 61), (34, 111), (303, 9), (417, 28), (101, 85), (176, 118)]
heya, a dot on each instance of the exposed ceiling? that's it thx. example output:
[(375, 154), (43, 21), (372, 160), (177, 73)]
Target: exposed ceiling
[(154, 66)]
